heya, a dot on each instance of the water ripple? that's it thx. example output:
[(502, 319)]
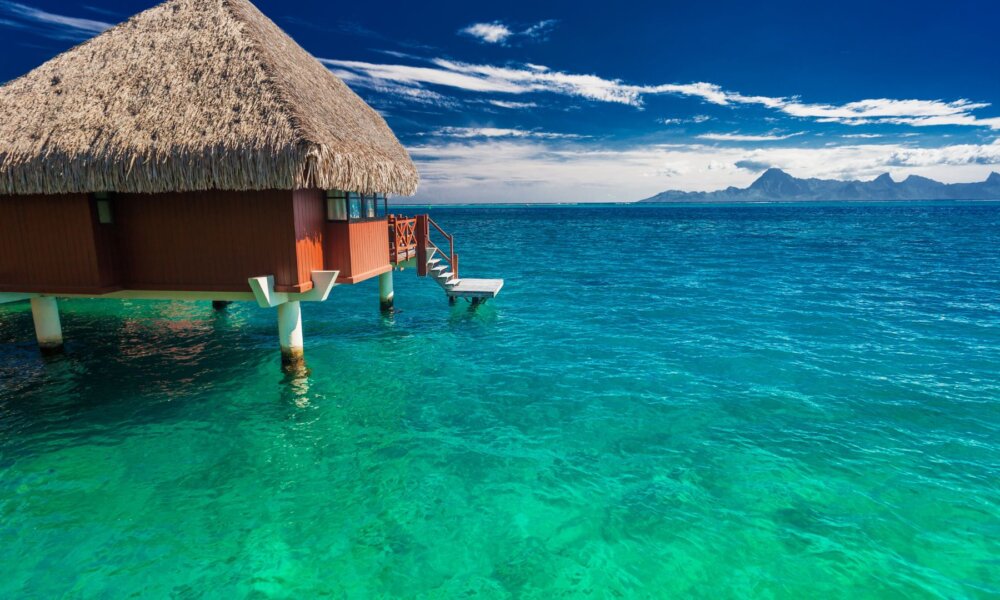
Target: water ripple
[(776, 401)]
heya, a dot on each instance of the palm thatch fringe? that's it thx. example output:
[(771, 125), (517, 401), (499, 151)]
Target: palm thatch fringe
[(193, 95)]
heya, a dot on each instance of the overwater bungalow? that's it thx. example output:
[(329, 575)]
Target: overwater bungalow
[(196, 152)]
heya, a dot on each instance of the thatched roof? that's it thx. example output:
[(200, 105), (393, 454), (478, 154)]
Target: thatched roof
[(193, 95)]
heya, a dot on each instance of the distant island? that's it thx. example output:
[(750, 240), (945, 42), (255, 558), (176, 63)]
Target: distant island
[(774, 185)]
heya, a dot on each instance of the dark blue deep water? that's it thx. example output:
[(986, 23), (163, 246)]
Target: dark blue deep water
[(771, 401)]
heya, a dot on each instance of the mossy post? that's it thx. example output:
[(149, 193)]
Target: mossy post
[(290, 333), (385, 291)]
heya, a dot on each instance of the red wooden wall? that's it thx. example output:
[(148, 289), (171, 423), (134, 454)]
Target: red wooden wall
[(359, 250), (49, 244), (200, 241), (310, 217), (209, 241)]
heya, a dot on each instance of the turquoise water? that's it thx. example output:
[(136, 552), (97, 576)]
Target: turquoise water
[(766, 401)]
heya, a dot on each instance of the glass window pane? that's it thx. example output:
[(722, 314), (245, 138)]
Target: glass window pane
[(370, 206), (336, 209), (354, 201), (336, 205)]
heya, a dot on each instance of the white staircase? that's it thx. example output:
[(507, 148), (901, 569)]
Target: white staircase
[(440, 271), (410, 240), (476, 290)]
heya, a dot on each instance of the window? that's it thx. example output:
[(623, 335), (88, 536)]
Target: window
[(369, 205), (336, 205), (354, 204), (104, 213)]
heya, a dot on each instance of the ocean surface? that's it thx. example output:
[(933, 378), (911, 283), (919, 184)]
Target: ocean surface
[(769, 401)]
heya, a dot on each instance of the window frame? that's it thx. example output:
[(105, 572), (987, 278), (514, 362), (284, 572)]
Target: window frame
[(365, 206), (104, 208), (332, 197)]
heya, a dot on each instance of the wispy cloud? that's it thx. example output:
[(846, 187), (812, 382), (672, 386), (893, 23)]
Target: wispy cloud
[(488, 79), (538, 78), (737, 137), (500, 33), (899, 112), (679, 120), (345, 26), (540, 30), (50, 24), (496, 132), (510, 104), (103, 11)]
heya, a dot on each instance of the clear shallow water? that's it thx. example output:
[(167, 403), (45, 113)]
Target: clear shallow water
[(766, 401)]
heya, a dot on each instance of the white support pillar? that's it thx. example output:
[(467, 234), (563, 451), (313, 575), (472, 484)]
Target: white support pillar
[(48, 329), (385, 292), (290, 332)]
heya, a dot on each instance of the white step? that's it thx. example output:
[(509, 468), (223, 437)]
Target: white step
[(447, 282), (476, 288)]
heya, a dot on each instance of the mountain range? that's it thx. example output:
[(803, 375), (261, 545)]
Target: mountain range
[(774, 185)]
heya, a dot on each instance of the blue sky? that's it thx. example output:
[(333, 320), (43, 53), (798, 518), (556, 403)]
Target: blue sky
[(605, 101)]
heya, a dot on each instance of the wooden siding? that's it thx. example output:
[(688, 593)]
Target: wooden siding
[(106, 249), (206, 240), (310, 218), (47, 244), (359, 250), (199, 241)]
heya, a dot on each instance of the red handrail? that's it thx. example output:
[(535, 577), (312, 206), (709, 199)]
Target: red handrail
[(424, 243), (451, 257), (422, 236), (402, 238)]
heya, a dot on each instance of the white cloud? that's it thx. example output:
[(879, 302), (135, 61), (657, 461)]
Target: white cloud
[(496, 132), (498, 169), (736, 137), (678, 120), (51, 24), (499, 33), (862, 135), (511, 104), (487, 78), (490, 33), (882, 108), (538, 78)]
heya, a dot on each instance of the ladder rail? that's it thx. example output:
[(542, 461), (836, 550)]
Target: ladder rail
[(450, 256)]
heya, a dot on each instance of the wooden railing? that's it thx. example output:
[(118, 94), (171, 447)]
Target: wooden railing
[(402, 238), (425, 245)]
